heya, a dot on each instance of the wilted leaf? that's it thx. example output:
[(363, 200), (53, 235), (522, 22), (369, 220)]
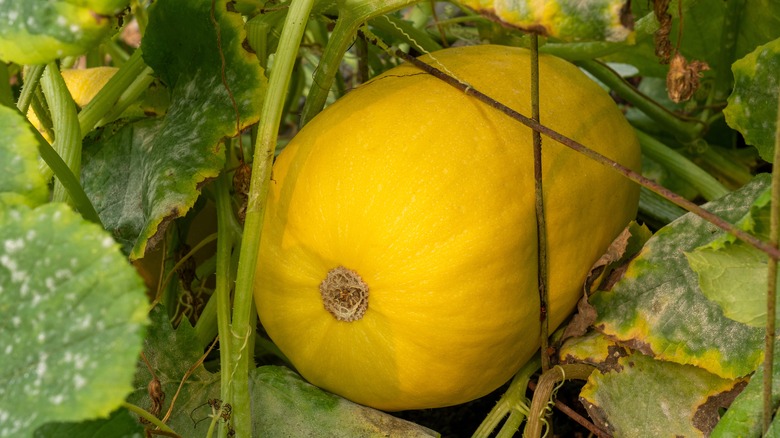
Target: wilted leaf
[(172, 157), (602, 20), (37, 32), (658, 308), (593, 348), (72, 312), (752, 106), (20, 179), (650, 398)]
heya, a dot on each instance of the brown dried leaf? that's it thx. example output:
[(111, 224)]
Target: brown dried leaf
[(683, 77)]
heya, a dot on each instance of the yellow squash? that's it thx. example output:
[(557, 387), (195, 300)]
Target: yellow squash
[(398, 258)]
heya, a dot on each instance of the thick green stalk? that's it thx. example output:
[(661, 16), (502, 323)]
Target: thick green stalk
[(706, 184), (222, 291), (130, 95), (683, 129), (512, 402), (352, 15), (66, 126), (6, 96), (771, 311), (270, 118), (31, 80), (108, 96)]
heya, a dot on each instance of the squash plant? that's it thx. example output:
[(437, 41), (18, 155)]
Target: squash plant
[(131, 212)]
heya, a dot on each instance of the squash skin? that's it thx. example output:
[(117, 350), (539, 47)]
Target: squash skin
[(428, 195)]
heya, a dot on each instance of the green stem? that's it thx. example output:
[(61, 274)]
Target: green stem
[(732, 170), (6, 95), (352, 15), (105, 99), (222, 292), (545, 388), (207, 326), (655, 210), (31, 81), (244, 310), (684, 129), (143, 413), (771, 312), (129, 96), (403, 31), (706, 184), (66, 126), (512, 401), (68, 180)]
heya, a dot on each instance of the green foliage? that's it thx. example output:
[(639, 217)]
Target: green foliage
[(20, 179), (659, 307), (73, 312), (34, 32), (752, 108)]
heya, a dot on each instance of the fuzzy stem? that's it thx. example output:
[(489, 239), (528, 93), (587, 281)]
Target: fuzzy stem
[(712, 218), (270, 118), (222, 291), (683, 129), (105, 99), (544, 390), (146, 415), (352, 15), (771, 311), (31, 81), (66, 126), (6, 95), (512, 401)]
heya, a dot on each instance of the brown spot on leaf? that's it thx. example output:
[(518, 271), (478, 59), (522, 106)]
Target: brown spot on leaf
[(707, 415)]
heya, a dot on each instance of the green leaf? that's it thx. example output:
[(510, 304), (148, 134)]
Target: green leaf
[(121, 424), (37, 32), (733, 273), (658, 308), (752, 106), (20, 179), (292, 407), (72, 313), (171, 353), (176, 155), (603, 20), (648, 398), (744, 416)]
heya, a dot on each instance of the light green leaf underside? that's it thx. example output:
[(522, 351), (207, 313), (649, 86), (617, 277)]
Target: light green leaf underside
[(72, 312), (752, 106), (658, 308), (174, 156), (20, 180), (37, 32), (650, 398)]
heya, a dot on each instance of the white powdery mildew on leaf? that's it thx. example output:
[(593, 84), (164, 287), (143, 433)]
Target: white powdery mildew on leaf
[(57, 361)]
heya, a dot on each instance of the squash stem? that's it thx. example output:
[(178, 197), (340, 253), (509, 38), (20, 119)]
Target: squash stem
[(512, 402), (541, 226), (66, 126), (771, 311), (244, 312), (545, 389), (31, 80)]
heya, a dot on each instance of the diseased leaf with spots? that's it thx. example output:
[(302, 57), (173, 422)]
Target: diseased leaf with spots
[(733, 273), (177, 154), (72, 313), (649, 398), (20, 179), (744, 416), (752, 106), (658, 308), (37, 32)]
